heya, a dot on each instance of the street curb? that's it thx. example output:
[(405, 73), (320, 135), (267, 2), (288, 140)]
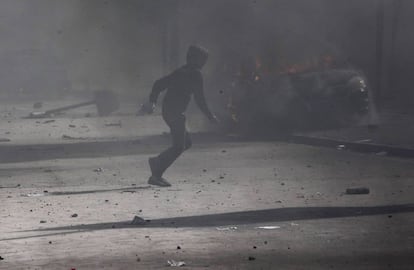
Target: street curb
[(378, 149)]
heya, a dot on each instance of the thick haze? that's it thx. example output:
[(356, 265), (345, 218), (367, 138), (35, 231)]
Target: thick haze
[(49, 47)]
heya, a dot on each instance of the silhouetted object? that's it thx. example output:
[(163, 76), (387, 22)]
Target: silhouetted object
[(320, 99), (37, 105), (180, 85), (106, 103)]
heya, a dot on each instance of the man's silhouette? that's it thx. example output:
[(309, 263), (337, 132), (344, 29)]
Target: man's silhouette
[(180, 85)]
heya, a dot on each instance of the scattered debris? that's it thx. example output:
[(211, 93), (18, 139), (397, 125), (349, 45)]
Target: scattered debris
[(382, 153), (268, 227), (173, 263), (67, 137), (138, 221), (364, 141), (128, 191), (16, 186), (294, 224), (33, 195), (230, 228), (340, 147), (98, 170), (74, 215), (49, 121), (118, 124), (357, 191)]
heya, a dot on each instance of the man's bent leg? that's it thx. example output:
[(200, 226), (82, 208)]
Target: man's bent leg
[(180, 140)]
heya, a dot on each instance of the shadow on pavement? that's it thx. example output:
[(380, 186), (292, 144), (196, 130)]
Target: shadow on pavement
[(64, 193), (236, 218)]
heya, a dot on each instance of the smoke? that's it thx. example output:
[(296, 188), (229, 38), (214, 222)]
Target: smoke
[(125, 45)]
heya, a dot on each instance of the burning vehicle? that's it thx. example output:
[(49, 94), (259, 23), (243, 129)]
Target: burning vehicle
[(318, 94)]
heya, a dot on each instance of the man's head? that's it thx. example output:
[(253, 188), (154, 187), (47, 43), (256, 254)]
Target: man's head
[(196, 56)]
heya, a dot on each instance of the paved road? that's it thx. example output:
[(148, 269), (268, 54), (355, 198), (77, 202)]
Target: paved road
[(233, 205), (213, 211)]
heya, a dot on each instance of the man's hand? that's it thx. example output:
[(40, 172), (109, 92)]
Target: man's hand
[(214, 120), (146, 108)]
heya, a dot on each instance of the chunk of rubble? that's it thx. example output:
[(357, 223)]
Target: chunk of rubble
[(67, 137), (268, 227), (357, 191), (98, 170), (230, 228), (173, 263), (138, 221), (340, 147), (117, 124)]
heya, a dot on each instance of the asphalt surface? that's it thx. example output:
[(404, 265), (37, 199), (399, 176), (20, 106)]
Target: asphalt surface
[(68, 202)]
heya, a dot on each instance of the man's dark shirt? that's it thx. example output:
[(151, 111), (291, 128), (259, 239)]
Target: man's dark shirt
[(181, 84)]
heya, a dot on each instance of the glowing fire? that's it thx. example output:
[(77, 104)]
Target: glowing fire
[(315, 63)]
